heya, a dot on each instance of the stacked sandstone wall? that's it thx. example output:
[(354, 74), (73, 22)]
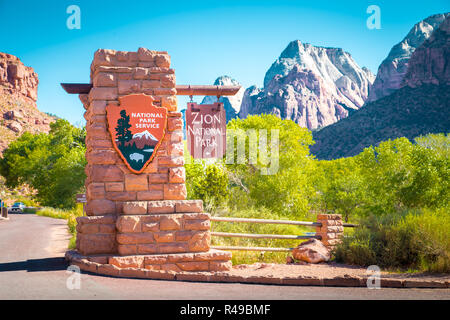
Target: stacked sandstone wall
[(109, 182), (140, 220), (331, 230)]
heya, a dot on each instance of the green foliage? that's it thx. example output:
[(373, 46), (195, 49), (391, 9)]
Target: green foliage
[(407, 112), (385, 181), (241, 257), (53, 164), (208, 183), (287, 190), (414, 239)]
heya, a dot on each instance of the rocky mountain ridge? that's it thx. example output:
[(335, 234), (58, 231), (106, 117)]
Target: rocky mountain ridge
[(18, 96), (419, 107), (391, 72), (313, 86)]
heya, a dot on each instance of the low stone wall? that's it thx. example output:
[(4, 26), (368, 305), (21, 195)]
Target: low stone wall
[(213, 260), (174, 233), (96, 234), (331, 230), (108, 265)]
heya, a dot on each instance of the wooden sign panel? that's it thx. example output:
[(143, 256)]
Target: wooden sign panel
[(81, 198), (206, 130), (137, 128)]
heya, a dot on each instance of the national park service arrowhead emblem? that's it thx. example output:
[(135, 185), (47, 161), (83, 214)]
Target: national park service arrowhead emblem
[(137, 128)]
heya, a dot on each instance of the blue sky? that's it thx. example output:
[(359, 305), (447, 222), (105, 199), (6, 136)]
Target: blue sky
[(205, 39)]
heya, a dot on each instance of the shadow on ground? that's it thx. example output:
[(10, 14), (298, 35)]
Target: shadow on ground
[(35, 265)]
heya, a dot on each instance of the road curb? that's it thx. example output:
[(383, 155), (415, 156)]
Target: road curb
[(92, 265)]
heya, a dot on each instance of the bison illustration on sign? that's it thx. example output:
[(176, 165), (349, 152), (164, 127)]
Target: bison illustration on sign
[(137, 128)]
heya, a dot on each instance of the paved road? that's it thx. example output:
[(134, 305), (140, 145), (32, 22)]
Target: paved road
[(32, 267)]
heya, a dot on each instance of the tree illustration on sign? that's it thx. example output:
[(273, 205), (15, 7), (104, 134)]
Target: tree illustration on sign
[(123, 132)]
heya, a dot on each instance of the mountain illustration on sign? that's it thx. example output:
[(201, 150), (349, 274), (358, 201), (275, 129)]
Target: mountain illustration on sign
[(136, 148)]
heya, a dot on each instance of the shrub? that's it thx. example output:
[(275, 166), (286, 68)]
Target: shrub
[(240, 257), (208, 183), (414, 239)]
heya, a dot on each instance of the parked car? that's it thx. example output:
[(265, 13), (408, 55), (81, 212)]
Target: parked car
[(17, 207)]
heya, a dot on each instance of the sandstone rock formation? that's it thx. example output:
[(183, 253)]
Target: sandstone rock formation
[(232, 104), (393, 69), (313, 86), (18, 95), (311, 251), (419, 107), (18, 79), (430, 62)]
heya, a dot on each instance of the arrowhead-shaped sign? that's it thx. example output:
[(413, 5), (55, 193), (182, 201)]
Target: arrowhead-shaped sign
[(137, 128)]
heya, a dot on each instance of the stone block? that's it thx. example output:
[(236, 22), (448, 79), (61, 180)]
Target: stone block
[(150, 227), (175, 191), (173, 248), (125, 250), (127, 261), (114, 187), (129, 86), (164, 237), (96, 244), (158, 178), (147, 249), (168, 81), (95, 191), (170, 223), (135, 182), (107, 228), (184, 235), (103, 79), (158, 207), (170, 267), (98, 107), (162, 60), (150, 195), (120, 196), (171, 161), (213, 255), (220, 265), (194, 266), (170, 103), (135, 238), (146, 55), (135, 207), (106, 173), (100, 207), (126, 224), (103, 93), (199, 242), (197, 225), (156, 259), (89, 228), (189, 206)]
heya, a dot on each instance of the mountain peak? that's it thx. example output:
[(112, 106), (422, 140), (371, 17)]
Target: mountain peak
[(144, 135), (393, 69), (226, 81)]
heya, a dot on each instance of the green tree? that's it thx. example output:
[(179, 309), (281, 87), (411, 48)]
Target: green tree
[(53, 164), (123, 128), (208, 183), (286, 190)]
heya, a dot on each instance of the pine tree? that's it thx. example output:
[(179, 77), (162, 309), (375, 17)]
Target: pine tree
[(123, 132)]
